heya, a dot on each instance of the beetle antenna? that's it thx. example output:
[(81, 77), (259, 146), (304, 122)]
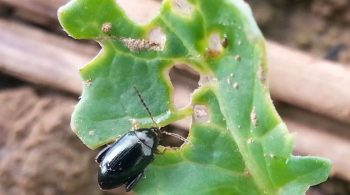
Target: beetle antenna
[(146, 108), (176, 136), (150, 115)]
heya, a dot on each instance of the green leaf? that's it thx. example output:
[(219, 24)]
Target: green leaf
[(241, 147)]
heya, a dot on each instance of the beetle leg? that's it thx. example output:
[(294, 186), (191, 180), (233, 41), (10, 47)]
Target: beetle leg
[(132, 182), (102, 154)]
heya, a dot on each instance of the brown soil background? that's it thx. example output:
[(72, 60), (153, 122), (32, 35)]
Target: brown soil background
[(40, 155), (321, 27)]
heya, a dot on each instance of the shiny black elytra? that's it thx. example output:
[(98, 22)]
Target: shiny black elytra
[(124, 161)]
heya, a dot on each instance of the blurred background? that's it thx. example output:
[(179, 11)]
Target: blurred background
[(308, 46)]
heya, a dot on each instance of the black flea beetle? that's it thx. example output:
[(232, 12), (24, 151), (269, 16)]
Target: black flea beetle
[(124, 161)]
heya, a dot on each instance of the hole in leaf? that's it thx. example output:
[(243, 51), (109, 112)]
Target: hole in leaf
[(200, 114), (180, 128), (216, 44), (182, 6), (185, 81), (157, 36), (141, 13)]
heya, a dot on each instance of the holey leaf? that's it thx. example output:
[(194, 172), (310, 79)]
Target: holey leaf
[(237, 142)]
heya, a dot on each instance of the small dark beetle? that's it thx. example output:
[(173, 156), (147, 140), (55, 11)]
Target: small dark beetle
[(124, 161)]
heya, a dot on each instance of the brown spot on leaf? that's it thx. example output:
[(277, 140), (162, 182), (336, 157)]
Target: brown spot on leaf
[(224, 41), (253, 117), (106, 27), (200, 114), (262, 75), (247, 173), (238, 58), (182, 6), (88, 82), (140, 44), (91, 132)]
